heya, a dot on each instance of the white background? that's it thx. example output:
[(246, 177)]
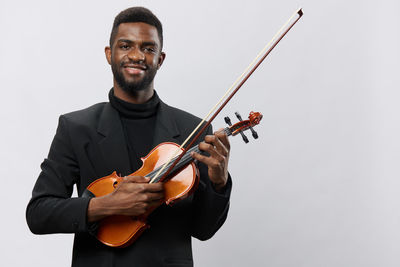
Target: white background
[(320, 187)]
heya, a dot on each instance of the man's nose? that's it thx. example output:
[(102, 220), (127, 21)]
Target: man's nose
[(136, 55)]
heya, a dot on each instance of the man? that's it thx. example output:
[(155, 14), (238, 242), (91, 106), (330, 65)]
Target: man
[(106, 137)]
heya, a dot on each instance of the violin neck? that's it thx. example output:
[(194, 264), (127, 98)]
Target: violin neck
[(185, 160)]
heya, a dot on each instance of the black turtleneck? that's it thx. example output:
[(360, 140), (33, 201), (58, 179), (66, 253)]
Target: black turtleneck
[(138, 123)]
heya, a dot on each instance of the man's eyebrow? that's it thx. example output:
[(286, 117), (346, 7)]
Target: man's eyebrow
[(150, 43), (145, 43), (125, 41)]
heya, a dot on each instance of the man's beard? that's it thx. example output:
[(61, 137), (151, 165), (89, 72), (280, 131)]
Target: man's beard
[(136, 85)]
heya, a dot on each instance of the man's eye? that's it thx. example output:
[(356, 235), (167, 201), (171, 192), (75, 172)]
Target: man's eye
[(149, 49), (124, 47)]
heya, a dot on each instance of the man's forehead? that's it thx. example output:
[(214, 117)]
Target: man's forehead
[(137, 30)]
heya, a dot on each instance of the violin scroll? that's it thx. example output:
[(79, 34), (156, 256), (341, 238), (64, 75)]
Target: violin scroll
[(255, 118), (243, 125)]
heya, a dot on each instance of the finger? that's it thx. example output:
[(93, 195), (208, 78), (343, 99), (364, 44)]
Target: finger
[(156, 187), (136, 179), (146, 206), (209, 161), (152, 197), (216, 142), (209, 148), (223, 137)]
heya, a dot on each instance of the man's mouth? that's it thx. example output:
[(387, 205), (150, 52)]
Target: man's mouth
[(134, 68)]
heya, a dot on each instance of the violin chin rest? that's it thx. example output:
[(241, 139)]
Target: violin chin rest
[(87, 194)]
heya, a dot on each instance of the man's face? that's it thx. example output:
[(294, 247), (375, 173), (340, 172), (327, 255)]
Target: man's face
[(135, 56)]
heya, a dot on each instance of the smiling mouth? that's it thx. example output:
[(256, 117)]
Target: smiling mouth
[(134, 68)]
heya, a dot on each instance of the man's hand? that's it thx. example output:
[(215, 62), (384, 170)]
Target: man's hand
[(218, 147), (134, 196)]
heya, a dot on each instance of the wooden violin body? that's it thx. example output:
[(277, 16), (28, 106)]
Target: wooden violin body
[(121, 231)]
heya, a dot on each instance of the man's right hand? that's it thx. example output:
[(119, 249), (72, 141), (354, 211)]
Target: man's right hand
[(134, 196)]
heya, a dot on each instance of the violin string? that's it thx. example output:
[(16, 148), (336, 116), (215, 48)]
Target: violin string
[(183, 160), (260, 54), (186, 158)]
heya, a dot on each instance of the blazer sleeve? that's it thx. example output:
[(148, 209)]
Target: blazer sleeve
[(51, 208), (210, 208)]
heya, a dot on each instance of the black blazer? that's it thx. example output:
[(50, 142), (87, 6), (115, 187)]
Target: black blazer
[(90, 144)]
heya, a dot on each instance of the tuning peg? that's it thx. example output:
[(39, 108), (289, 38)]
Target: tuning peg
[(253, 133), (238, 116), (245, 139), (228, 121)]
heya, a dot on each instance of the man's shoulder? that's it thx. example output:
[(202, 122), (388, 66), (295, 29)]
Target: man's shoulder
[(184, 120), (87, 115), (182, 116)]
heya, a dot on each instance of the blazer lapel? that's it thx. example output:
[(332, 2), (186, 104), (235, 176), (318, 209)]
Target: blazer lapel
[(112, 143), (166, 129)]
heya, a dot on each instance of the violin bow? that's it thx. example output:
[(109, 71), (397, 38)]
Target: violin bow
[(231, 91)]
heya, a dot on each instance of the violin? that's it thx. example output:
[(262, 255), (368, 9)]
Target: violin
[(180, 182)]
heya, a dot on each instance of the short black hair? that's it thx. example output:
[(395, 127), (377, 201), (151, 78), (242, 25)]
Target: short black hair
[(136, 14)]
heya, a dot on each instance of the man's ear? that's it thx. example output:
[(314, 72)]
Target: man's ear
[(107, 51), (161, 59)]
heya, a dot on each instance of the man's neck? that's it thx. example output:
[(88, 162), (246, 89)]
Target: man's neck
[(138, 97)]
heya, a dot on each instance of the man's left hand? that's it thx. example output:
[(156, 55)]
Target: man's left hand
[(218, 147)]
